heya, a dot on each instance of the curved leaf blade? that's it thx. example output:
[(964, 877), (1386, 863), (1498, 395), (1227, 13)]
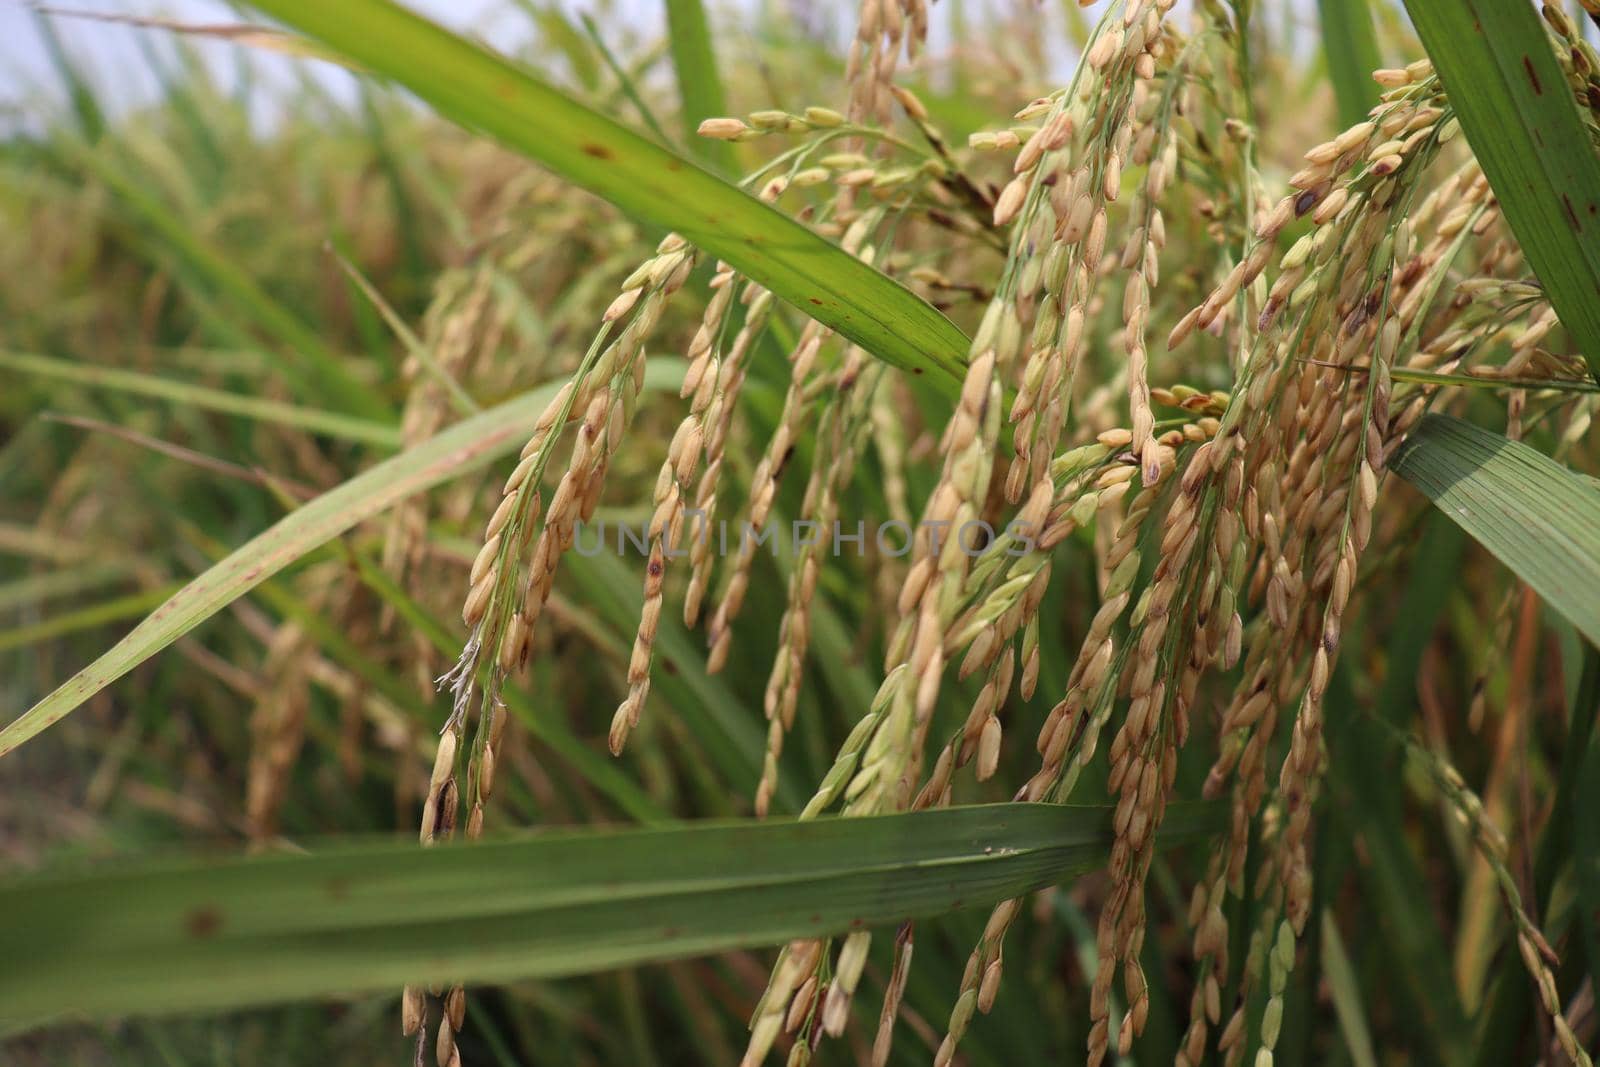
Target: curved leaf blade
[(199, 935), (1534, 515), (137, 383), (467, 445), (482, 91), (1522, 122)]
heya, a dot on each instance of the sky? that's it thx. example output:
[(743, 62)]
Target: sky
[(112, 54)]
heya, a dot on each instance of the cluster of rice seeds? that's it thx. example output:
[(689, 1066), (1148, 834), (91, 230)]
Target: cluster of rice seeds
[(1073, 166), (841, 430), (808, 381), (1169, 646), (1537, 955), (719, 419), (1094, 481), (809, 997), (788, 1004), (462, 326), (848, 416), (506, 595), (883, 29), (712, 390), (459, 323), (1001, 598), (880, 761), (889, 403), (1362, 288), (810, 993), (894, 189), (1093, 672), (1001, 601), (1579, 62), (930, 595)]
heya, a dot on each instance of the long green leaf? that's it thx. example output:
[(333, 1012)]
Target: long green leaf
[(136, 383), (32, 590), (465, 446), (199, 934), (1522, 122), (1534, 515), (1345, 992), (481, 90), (1350, 48), (84, 618)]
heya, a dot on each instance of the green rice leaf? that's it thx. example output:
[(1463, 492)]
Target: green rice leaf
[(85, 618), (467, 445), (1534, 515), (625, 81), (1345, 991), (207, 934), (136, 383), (483, 91), (1522, 122), (1350, 49)]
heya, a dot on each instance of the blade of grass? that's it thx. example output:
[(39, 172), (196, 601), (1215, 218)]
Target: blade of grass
[(115, 610), (467, 445), (482, 91), (459, 399), (1470, 381), (694, 61), (85, 105), (305, 346), (1350, 49), (191, 457), (31, 590), (1534, 515), (1345, 992), (557, 30), (206, 934), (1519, 116), (625, 82)]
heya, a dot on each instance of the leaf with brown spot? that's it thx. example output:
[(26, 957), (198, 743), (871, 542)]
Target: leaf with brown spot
[(533, 906), (1495, 58), (459, 78)]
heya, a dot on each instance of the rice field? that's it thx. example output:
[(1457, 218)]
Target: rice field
[(973, 534)]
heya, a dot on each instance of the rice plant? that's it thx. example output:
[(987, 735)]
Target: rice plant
[(848, 537)]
